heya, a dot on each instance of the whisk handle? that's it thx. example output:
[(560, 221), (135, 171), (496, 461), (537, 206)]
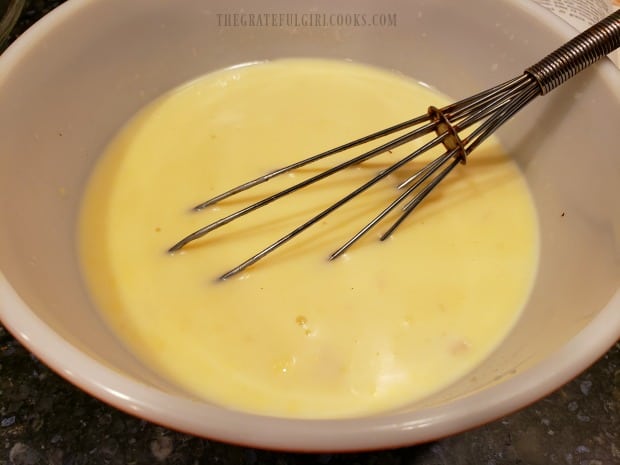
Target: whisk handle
[(577, 54)]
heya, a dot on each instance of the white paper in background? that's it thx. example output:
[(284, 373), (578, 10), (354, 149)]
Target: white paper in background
[(581, 14)]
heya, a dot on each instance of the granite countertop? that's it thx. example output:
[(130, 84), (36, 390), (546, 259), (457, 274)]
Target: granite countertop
[(45, 420)]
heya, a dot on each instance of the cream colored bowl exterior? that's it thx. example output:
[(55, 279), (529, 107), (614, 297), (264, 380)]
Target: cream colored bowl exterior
[(71, 81)]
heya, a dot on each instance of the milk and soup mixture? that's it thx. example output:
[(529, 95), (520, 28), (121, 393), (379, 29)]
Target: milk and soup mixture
[(296, 335)]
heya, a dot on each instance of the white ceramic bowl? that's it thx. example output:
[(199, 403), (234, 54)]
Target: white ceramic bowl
[(71, 81)]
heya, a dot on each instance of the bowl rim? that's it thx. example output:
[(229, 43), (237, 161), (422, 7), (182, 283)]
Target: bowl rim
[(334, 435)]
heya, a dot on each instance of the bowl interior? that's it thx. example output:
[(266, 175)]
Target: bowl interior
[(68, 87)]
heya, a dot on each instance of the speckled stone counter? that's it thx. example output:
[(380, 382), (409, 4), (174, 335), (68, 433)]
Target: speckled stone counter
[(45, 420)]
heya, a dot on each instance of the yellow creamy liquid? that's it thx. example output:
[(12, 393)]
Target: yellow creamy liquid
[(296, 335)]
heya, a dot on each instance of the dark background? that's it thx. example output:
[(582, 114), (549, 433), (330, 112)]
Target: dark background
[(45, 420)]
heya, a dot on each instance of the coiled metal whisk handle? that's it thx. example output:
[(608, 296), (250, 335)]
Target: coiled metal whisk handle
[(576, 55)]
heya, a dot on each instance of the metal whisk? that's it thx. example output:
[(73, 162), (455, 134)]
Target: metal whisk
[(483, 113)]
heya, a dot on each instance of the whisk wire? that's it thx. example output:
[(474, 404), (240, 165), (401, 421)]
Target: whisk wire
[(491, 105), (408, 137), (299, 164), (483, 99), (318, 217), (424, 175), (486, 129), (420, 196)]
